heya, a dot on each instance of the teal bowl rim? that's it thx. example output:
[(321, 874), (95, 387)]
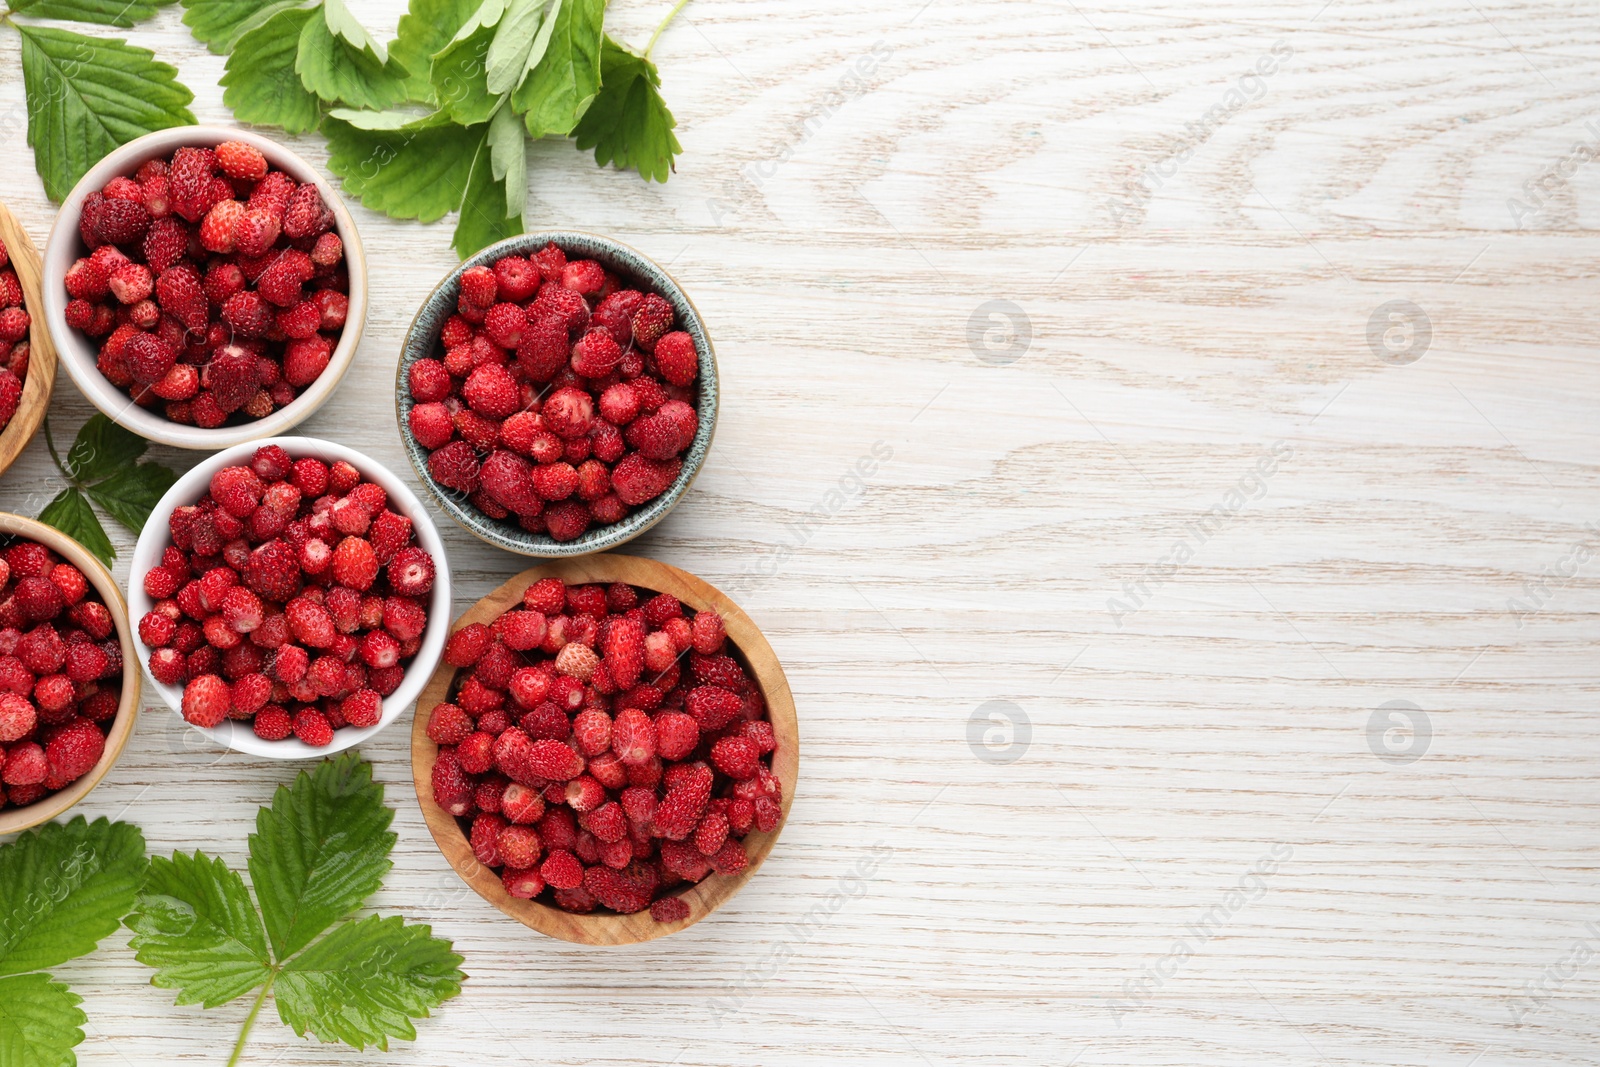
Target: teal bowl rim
[(422, 339)]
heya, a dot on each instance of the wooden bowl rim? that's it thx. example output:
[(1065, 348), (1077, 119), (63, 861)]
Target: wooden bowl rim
[(44, 809), (712, 892), (40, 382)]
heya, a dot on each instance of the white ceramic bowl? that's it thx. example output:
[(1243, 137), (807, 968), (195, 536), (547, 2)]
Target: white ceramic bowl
[(78, 353), (194, 485)]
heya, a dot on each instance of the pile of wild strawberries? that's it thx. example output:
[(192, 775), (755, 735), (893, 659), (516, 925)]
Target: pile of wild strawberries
[(14, 347), (562, 399), (217, 283), (60, 673), (591, 760), (291, 597)]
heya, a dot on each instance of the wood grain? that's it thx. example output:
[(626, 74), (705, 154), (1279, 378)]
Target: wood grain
[(747, 645), (838, 226), (40, 381)]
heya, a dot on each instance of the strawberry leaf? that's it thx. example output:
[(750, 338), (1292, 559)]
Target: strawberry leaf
[(63, 887), (628, 123), (87, 95), (460, 69), (319, 851), (222, 23), (71, 513), (424, 30), (406, 167), (122, 13), (196, 925), (103, 448), (366, 981), (338, 69), (261, 84), (129, 495), (40, 1022), (484, 219), (508, 52), (563, 78)]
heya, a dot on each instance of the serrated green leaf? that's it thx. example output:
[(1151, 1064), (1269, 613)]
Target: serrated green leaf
[(129, 495), (336, 70), (70, 513), (483, 220), (104, 12), (366, 981), (261, 84), (416, 171), (561, 85), (220, 24), (508, 158), (40, 1022), (460, 78), (63, 887), (319, 851), (102, 448), (195, 924), (342, 24), (425, 29), (508, 52), (628, 123), (87, 95)]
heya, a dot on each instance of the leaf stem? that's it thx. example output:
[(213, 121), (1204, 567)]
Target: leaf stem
[(250, 1020), (670, 16), (50, 443)]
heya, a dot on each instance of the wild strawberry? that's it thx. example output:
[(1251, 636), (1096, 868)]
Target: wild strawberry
[(355, 564), (312, 727), (305, 213), (130, 283), (273, 193), (633, 736), (272, 724), (455, 466), (651, 321), (561, 870), (240, 160), (583, 276), (429, 381), (677, 735), (491, 391), (596, 354), (165, 243), (310, 622), (305, 359), (554, 761), (327, 253), (255, 230), (121, 222), (467, 645), (206, 700), (624, 651), (362, 709), (505, 324), (636, 479), (543, 349), (676, 358), (478, 287), (86, 280), (247, 314)]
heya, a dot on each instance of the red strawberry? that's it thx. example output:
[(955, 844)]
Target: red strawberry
[(636, 479), (206, 700), (305, 214), (676, 358), (255, 231), (455, 466), (651, 321), (240, 160), (164, 244), (233, 376)]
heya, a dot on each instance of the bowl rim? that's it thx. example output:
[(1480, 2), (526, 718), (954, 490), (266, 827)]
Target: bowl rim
[(598, 539), (46, 808), (192, 485), (65, 245), (706, 896), (40, 382)]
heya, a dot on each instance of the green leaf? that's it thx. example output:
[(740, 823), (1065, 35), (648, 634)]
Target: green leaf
[(342, 24), (460, 78), (129, 495), (628, 123), (87, 95), (319, 851), (195, 924), (261, 84), (104, 12), (508, 52), (416, 170), (562, 81), (222, 23), (508, 159), (366, 981), (102, 448), (334, 69), (70, 513), (483, 219), (40, 1022), (428, 27), (63, 887)]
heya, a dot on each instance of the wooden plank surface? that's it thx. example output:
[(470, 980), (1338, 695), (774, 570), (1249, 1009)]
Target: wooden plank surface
[(1193, 505)]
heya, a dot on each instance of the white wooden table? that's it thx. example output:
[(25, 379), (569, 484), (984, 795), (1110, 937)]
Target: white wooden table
[(1194, 834)]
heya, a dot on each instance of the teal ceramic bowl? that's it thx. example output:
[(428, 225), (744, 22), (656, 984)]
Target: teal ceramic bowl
[(422, 342)]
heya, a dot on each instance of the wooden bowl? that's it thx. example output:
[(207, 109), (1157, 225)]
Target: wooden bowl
[(46, 808), (609, 928), (41, 379)]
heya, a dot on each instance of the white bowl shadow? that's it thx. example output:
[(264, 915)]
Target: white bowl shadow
[(78, 353), (191, 487)]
